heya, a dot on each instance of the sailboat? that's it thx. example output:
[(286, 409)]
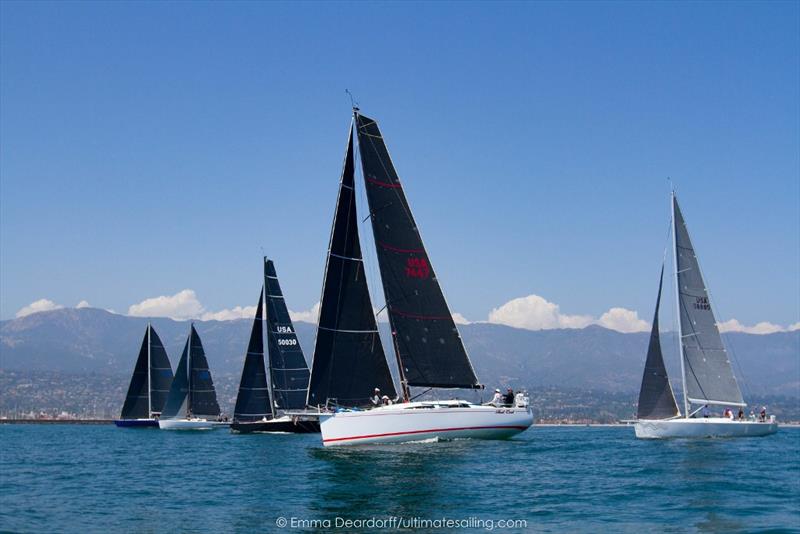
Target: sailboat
[(706, 370), (277, 405), (349, 362), (149, 384), (192, 400)]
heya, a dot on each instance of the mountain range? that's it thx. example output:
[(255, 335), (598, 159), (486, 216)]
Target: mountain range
[(90, 340)]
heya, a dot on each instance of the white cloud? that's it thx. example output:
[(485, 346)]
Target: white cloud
[(239, 312), (308, 316), (623, 320), (536, 313), (793, 327), (182, 305), (83, 304), (763, 327), (37, 306), (460, 319)]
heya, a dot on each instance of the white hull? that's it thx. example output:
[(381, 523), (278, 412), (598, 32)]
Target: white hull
[(189, 424), (419, 421), (704, 427)]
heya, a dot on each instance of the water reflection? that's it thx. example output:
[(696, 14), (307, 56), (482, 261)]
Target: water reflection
[(386, 480)]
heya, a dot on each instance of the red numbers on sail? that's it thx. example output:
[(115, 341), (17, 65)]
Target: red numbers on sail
[(417, 268)]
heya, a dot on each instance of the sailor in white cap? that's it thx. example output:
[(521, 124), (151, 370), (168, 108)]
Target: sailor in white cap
[(497, 400), (376, 397)]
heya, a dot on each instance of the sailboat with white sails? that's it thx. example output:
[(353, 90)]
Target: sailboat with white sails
[(706, 370), (349, 360)]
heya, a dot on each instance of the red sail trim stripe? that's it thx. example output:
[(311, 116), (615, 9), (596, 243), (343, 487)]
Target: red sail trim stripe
[(501, 427), (402, 250), (383, 184), (424, 317)]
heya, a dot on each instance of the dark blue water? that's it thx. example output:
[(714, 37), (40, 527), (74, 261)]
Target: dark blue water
[(94, 478)]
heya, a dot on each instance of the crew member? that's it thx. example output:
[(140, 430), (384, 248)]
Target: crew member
[(497, 400), (508, 400), (376, 397)]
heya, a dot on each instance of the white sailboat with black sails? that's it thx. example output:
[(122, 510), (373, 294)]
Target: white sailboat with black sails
[(706, 370), (277, 404), (192, 400), (349, 361)]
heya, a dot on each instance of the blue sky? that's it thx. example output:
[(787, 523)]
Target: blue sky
[(148, 148)]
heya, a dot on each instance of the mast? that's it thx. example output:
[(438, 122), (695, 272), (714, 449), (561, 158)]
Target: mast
[(270, 385), (149, 378), (404, 389), (678, 303), (189, 372)]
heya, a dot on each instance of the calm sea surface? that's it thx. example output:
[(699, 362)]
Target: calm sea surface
[(97, 478)]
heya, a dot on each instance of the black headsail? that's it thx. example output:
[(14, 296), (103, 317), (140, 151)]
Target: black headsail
[(147, 394), (160, 373), (138, 399), (287, 365), (429, 347), (202, 396), (349, 361), (178, 396), (252, 402), (192, 390), (656, 400)]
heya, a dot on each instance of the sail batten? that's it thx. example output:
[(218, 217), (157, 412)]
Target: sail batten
[(288, 369), (708, 375), (349, 361), (428, 345)]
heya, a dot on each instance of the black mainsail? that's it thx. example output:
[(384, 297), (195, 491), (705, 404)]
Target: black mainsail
[(252, 402), (429, 349), (656, 399), (287, 365), (348, 357), (708, 376), (192, 391), (151, 379)]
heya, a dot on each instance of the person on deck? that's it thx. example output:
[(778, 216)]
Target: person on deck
[(508, 400), (741, 415), (386, 400), (497, 400), (705, 411), (376, 397), (763, 415)]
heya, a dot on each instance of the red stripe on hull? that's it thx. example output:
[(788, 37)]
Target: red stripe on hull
[(507, 427)]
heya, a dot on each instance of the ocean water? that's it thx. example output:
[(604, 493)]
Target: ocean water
[(104, 479)]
